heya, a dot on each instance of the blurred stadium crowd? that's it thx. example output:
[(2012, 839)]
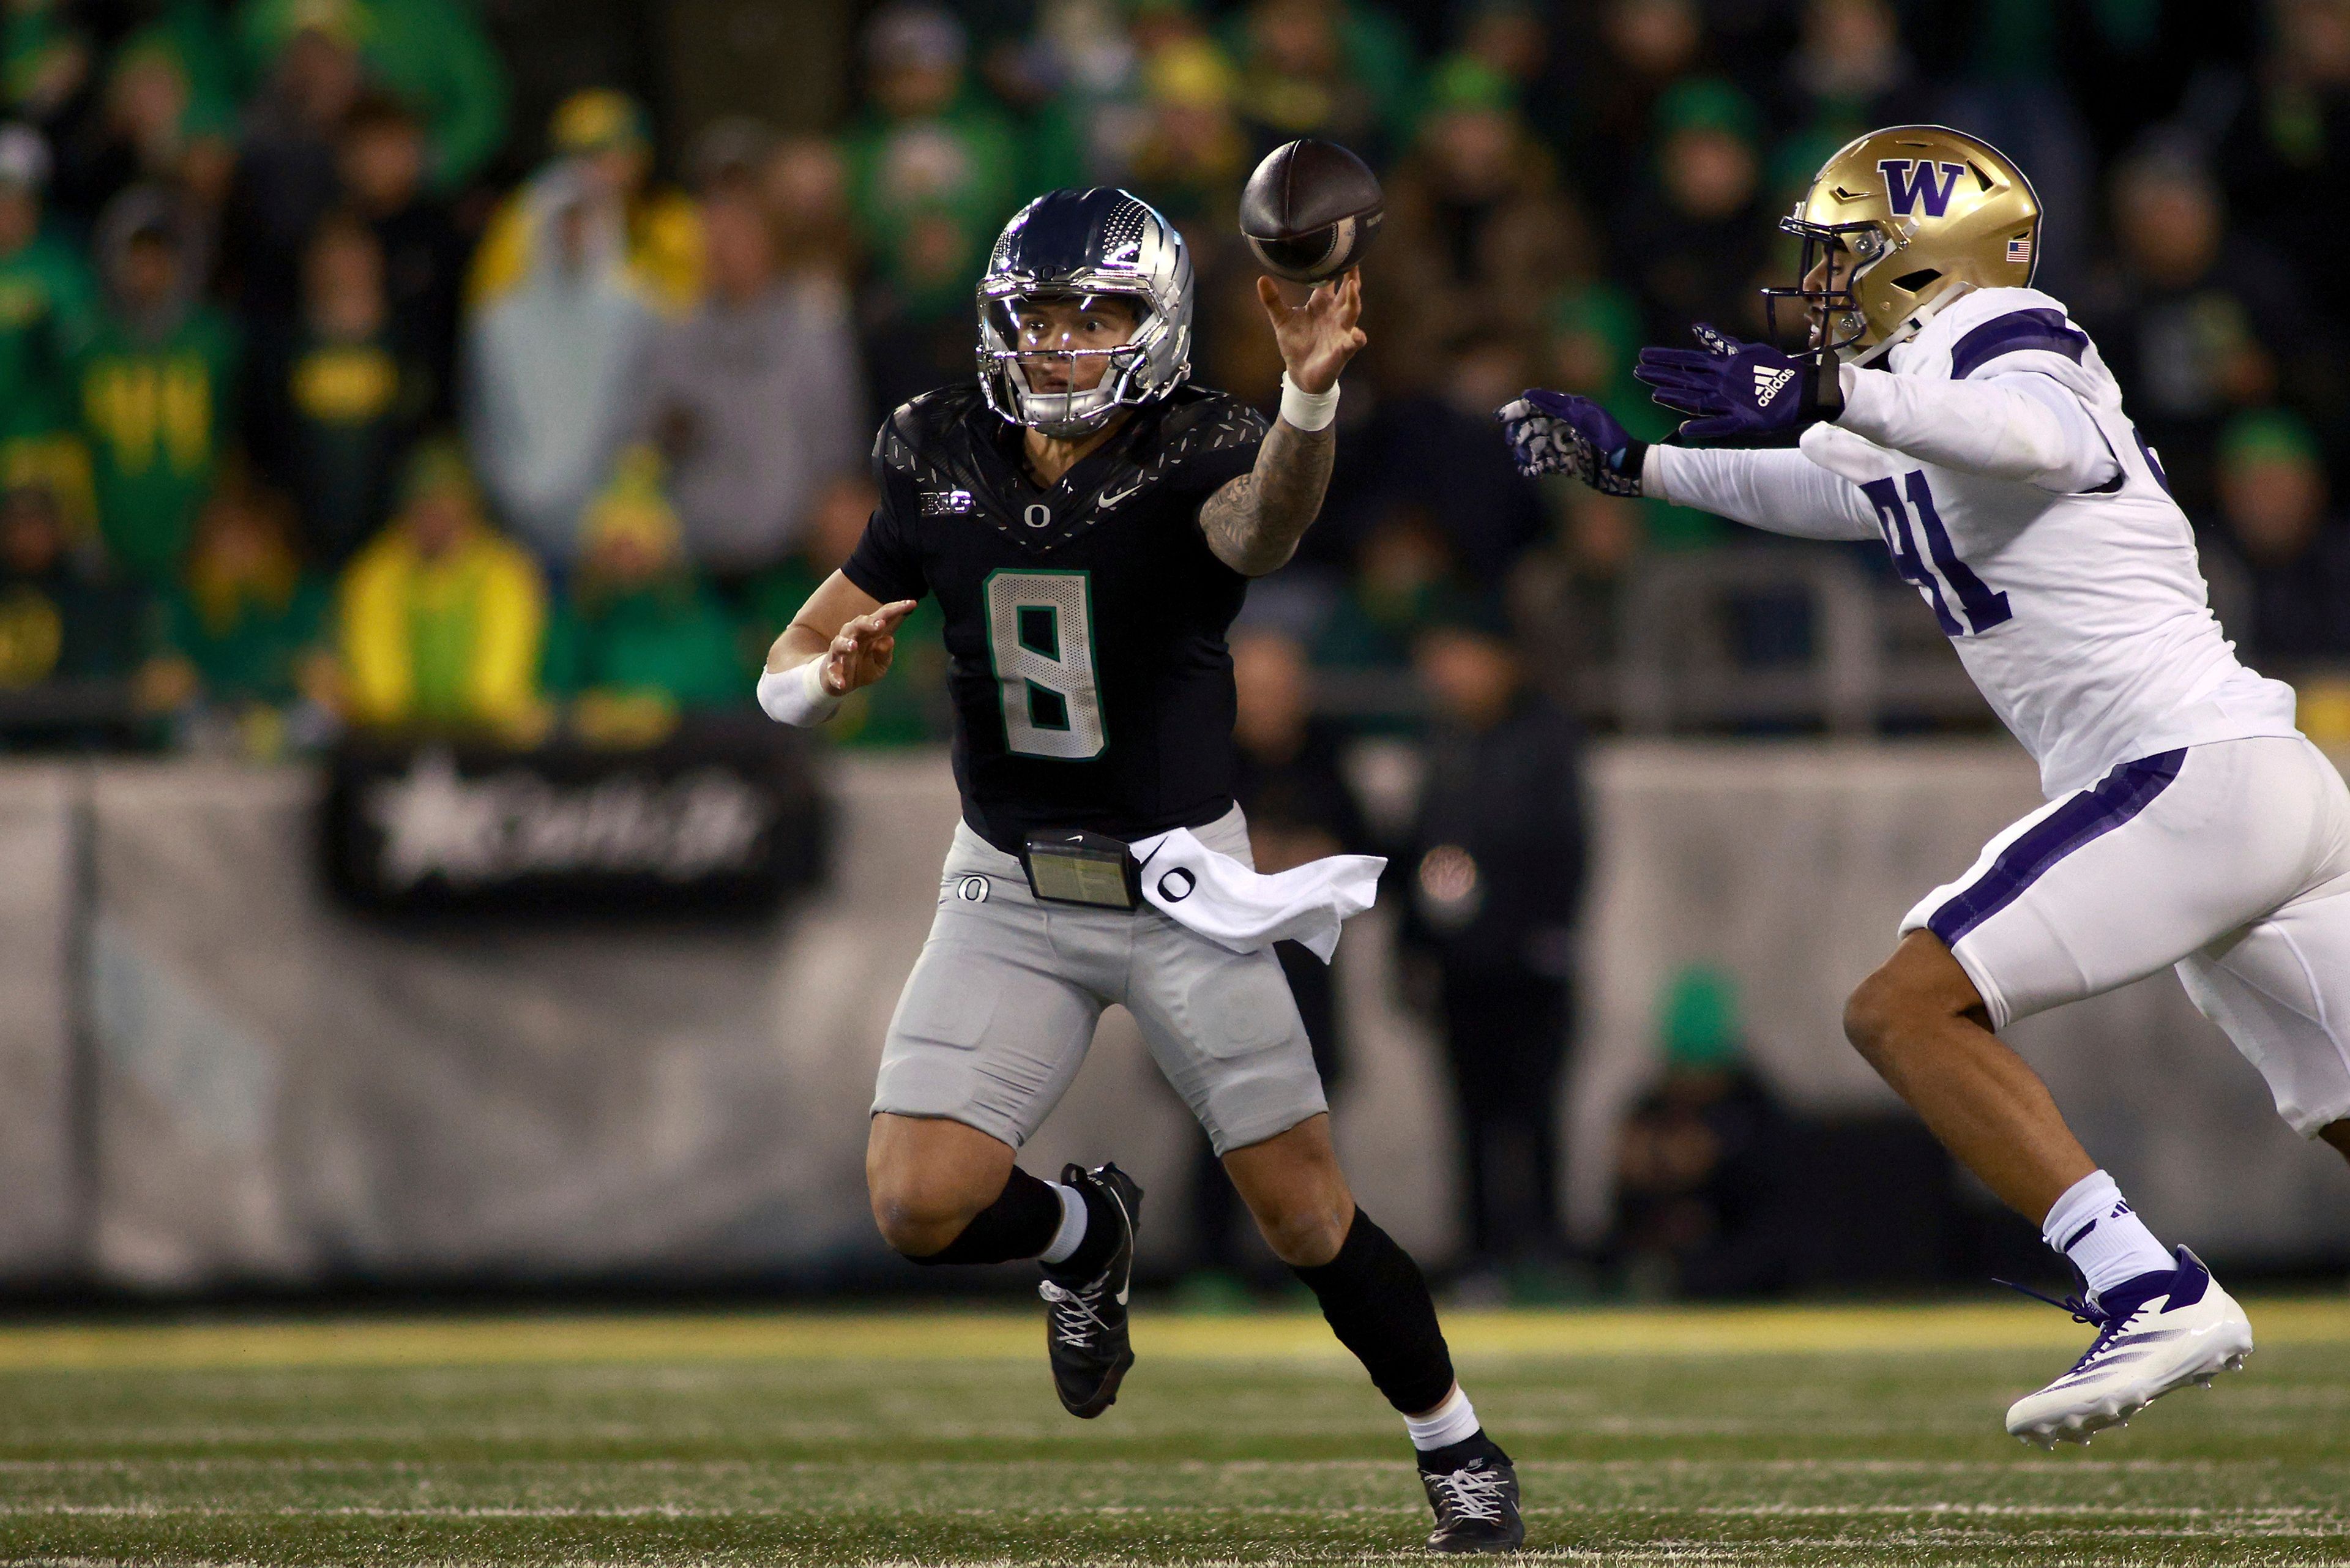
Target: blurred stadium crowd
[(305, 422)]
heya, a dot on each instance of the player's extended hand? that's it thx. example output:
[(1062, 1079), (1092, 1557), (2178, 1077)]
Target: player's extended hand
[(1318, 336), (1559, 432), (1744, 392), (861, 651)]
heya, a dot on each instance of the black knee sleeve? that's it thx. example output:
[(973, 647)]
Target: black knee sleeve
[(1020, 1223), (1379, 1306)]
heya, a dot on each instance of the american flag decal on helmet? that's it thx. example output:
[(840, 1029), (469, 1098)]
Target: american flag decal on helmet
[(2019, 250)]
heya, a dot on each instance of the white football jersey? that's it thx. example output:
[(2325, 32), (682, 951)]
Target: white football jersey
[(2083, 618)]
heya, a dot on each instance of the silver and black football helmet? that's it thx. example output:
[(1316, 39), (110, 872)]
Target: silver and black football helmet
[(1080, 244)]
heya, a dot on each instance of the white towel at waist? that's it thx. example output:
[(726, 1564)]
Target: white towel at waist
[(1235, 907)]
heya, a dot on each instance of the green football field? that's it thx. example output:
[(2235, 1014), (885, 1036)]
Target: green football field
[(1763, 1435)]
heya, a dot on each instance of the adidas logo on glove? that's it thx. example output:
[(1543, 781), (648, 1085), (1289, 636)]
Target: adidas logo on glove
[(1767, 383)]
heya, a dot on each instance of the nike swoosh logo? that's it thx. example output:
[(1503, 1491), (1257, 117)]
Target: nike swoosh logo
[(1111, 498), (1121, 1296)]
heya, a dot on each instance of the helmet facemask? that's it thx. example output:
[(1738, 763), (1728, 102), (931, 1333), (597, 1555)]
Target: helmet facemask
[(1020, 368), (1832, 315)]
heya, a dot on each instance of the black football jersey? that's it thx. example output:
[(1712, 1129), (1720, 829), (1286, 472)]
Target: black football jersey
[(1085, 620)]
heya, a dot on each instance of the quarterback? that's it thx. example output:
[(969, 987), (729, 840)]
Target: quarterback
[(1090, 521), (1951, 410)]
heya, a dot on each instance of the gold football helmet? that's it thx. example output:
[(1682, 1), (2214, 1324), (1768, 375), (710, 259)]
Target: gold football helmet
[(1898, 225)]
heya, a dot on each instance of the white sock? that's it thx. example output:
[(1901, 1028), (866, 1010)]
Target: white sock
[(1073, 1224), (1453, 1421), (2094, 1226)]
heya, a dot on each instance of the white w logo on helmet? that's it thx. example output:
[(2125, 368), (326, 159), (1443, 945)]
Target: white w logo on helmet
[(1767, 383)]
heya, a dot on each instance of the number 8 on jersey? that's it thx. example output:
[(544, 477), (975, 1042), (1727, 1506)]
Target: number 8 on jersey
[(1040, 638)]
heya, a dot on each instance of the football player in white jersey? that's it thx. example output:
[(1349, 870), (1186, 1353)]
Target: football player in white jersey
[(1951, 410)]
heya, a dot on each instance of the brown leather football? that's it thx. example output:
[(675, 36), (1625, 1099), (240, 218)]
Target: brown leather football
[(1310, 209)]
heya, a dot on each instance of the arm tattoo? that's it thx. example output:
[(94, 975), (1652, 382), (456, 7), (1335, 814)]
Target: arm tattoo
[(1254, 523)]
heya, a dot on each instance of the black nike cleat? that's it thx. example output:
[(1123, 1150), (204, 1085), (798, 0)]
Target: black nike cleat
[(1085, 1319), (1475, 1499)]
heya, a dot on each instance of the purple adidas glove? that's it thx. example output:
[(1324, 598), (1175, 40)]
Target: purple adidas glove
[(1746, 393), (1558, 432)]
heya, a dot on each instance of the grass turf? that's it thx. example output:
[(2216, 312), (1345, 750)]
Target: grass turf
[(1773, 1436)]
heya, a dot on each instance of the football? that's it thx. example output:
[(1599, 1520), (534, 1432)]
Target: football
[(1310, 209)]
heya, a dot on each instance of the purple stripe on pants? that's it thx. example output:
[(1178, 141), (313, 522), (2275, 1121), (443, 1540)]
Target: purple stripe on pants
[(2090, 814)]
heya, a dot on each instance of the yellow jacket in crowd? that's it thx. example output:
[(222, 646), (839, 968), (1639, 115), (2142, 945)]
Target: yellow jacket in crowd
[(598, 181), (451, 640)]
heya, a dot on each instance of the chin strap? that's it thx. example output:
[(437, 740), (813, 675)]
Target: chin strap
[(1911, 326)]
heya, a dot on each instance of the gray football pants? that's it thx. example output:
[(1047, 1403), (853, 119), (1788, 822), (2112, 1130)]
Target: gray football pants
[(1000, 1009)]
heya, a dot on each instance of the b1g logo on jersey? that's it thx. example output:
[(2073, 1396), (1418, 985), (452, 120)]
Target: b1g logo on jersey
[(945, 503), (1909, 182)]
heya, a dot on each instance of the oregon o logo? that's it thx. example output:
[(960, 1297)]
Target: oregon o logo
[(1038, 516), (971, 889), (1177, 884)]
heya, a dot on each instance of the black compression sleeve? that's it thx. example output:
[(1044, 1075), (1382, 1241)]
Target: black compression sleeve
[(1020, 1223), (1379, 1306)]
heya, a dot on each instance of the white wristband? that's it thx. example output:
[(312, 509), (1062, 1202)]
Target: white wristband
[(1307, 410), (797, 696)]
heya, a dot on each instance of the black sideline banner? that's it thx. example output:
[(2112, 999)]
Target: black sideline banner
[(722, 818)]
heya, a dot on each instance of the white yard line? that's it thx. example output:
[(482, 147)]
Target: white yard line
[(1608, 1557), (681, 1511), (2022, 1464)]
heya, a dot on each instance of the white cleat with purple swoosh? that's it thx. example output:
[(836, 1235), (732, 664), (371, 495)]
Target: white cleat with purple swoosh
[(2156, 1332)]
